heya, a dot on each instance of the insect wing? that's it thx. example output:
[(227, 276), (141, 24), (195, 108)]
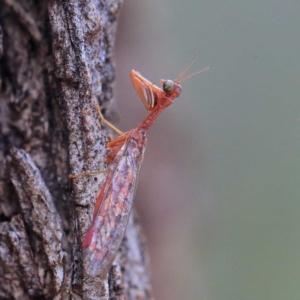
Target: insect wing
[(109, 224), (147, 91)]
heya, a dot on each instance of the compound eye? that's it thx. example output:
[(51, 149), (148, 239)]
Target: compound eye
[(168, 86)]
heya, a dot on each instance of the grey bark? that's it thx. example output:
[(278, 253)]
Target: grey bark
[(56, 64)]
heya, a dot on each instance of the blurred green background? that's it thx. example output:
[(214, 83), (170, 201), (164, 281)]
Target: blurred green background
[(220, 184)]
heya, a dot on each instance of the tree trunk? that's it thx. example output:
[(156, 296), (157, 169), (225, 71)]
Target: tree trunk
[(56, 65)]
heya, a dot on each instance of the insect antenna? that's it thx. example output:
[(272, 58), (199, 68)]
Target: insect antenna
[(185, 69), (193, 74)]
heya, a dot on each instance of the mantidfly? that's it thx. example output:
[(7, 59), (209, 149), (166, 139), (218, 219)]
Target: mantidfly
[(113, 205)]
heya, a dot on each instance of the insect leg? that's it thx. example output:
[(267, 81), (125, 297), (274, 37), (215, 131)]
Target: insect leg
[(71, 176), (106, 122)]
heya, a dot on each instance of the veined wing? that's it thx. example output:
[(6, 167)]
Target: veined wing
[(111, 217), (147, 91)]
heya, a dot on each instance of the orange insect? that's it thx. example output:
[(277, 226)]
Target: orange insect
[(113, 205)]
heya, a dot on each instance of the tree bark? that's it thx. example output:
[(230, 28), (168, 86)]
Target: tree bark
[(56, 65)]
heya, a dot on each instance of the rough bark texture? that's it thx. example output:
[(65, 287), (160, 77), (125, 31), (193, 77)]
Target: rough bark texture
[(56, 64)]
